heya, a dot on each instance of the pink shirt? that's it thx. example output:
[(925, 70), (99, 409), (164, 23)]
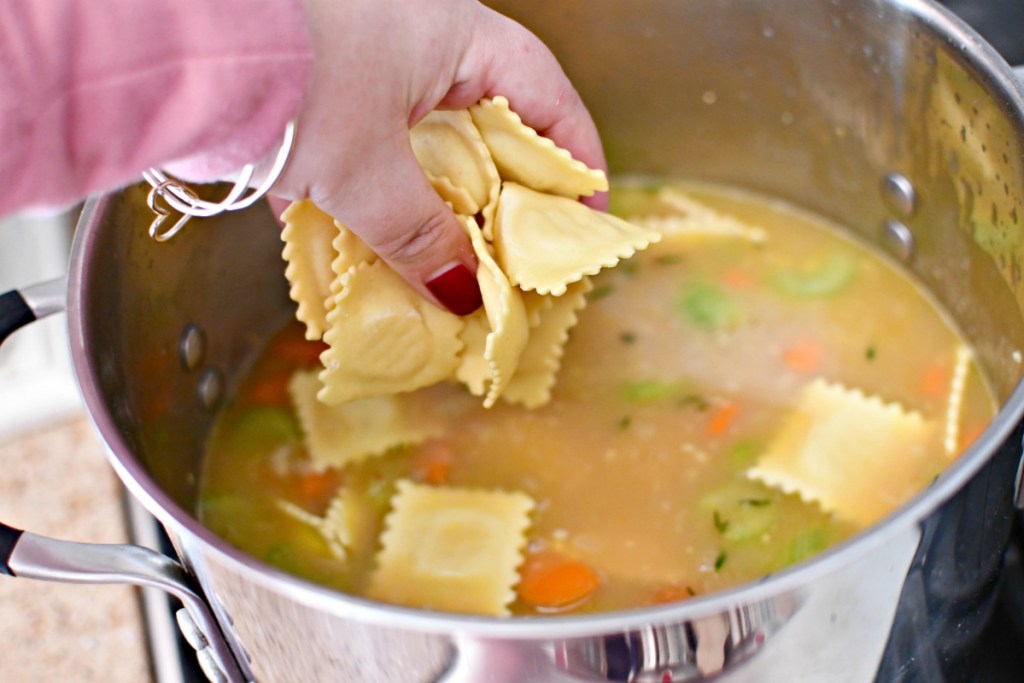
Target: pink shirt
[(92, 93)]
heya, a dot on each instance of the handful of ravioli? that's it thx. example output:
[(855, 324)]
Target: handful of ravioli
[(516, 194)]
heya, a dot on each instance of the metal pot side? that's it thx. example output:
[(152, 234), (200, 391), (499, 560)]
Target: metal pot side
[(890, 117)]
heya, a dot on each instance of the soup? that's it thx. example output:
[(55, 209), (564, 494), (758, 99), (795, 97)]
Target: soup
[(658, 469)]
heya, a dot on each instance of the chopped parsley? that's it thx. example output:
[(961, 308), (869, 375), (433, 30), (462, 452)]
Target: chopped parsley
[(720, 560), (669, 259)]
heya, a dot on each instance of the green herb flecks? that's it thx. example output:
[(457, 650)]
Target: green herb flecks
[(669, 259), (628, 268), (721, 525), (694, 400)]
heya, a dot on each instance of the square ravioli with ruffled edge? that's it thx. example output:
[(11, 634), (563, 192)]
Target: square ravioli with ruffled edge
[(339, 435), (384, 338), (308, 235), (451, 549), (524, 156), (455, 159), (374, 351), (853, 454)]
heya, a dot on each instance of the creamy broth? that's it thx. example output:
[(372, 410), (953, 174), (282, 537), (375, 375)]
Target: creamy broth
[(683, 365)]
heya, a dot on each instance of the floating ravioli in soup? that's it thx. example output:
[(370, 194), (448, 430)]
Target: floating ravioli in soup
[(747, 389)]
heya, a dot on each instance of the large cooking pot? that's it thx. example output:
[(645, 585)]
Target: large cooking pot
[(889, 116)]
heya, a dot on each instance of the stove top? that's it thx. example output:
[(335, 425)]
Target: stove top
[(1001, 655)]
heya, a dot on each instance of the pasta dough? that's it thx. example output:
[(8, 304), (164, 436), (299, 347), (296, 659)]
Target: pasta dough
[(452, 549), (853, 454), (535, 376), (544, 242), (456, 161), (308, 234), (337, 435), (523, 156), (384, 338)]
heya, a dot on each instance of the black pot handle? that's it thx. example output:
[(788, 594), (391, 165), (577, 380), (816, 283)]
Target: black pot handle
[(17, 309), (27, 555), (8, 539), (14, 313)]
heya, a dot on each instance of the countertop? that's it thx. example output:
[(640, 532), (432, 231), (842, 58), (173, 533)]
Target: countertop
[(58, 482)]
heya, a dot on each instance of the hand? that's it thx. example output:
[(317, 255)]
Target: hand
[(380, 66)]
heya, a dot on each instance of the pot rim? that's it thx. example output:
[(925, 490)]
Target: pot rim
[(190, 532)]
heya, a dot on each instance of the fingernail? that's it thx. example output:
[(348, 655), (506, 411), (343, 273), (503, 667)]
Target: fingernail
[(455, 286)]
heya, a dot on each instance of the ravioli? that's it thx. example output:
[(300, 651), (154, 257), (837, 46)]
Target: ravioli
[(855, 455), (955, 400), (693, 218), (308, 235), (544, 242), (384, 338), (538, 366), (524, 156), (347, 526), (349, 251), (452, 549), (474, 371), (531, 244), (456, 160), (339, 435), (506, 316)]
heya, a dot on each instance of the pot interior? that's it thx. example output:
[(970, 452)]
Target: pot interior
[(859, 111)]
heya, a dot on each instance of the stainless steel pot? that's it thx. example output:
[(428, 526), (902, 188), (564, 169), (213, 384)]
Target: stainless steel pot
[(890, 116)]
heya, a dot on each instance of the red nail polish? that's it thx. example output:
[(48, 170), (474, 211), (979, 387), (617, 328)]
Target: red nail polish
[(457, 289)]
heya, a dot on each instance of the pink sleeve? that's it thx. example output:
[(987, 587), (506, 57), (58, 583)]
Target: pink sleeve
[(93, 93)]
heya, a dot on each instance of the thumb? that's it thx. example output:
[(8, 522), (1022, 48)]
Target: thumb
[(394, 209)]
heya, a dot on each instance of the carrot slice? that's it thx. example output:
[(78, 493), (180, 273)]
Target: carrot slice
[(970, 435), (297, 350), (736, 278), (671, 592), (271, 390), (936, 379), (722, 418), (432, 463), (804, 356), (316, 488), (550, 580)]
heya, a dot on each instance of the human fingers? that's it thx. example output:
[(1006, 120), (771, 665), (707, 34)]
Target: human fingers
[(277, 206), (506, 59), (396, 211)]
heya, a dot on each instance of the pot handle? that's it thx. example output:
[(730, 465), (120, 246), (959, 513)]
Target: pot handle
[(27, 555)]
